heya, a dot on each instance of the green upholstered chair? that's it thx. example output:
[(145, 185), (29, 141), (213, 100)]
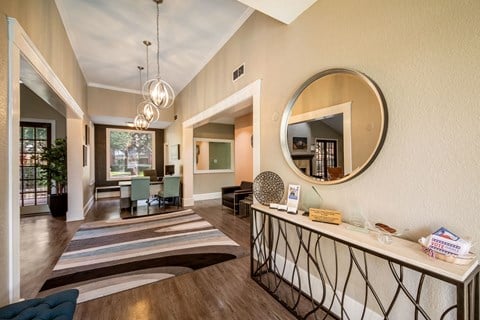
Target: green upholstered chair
[(171, 189), (139, 190)]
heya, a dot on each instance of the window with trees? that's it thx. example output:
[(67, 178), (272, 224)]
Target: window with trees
[(129, 153), (33, 138)]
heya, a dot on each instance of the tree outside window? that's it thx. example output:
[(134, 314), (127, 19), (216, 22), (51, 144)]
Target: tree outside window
[(130, 152)]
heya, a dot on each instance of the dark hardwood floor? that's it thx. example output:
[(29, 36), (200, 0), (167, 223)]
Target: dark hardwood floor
[(221, 291)]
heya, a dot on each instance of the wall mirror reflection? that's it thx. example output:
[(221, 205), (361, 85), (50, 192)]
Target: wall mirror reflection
[(213, 155), (334, 126)]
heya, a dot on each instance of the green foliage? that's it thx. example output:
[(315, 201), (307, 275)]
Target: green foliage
[(53, 165)]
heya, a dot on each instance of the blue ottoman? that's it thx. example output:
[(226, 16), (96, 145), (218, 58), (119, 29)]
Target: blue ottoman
[(58, 306)]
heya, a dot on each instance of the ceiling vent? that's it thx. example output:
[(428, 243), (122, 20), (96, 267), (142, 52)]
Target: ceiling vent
[(237, 73)]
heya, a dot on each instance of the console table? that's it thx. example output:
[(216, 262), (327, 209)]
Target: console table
[(325, 271), (155, 187)]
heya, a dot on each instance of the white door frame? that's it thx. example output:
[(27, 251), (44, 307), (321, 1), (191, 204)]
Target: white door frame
[(251, 91), (20, 45)]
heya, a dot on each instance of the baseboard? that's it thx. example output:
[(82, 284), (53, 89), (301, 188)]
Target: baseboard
[(88, 205), (352, 306), (207, 196), (108, 194)]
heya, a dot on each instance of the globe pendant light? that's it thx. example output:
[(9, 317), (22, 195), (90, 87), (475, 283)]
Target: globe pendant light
[(156, 90), (142, 122), (149, 110)]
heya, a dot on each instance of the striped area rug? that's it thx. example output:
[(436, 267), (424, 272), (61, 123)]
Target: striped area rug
[(110, 256)]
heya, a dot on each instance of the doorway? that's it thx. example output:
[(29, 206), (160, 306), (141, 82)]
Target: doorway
[(34, 137), (250, 93)]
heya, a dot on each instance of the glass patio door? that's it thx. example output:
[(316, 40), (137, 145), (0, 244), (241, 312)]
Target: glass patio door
[(33, 138)]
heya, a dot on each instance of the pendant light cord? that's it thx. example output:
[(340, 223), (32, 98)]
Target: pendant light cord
[(158, 42)]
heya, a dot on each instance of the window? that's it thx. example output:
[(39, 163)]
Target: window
[(129, 152), (33, 138), (325, 156)]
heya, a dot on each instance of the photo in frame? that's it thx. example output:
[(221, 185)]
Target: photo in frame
[(87, 135), (293, 198), (174, 152), (299, 143)]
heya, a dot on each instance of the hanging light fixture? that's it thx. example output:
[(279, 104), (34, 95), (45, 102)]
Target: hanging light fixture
[(140, 122), (149, 110), (156, 90)]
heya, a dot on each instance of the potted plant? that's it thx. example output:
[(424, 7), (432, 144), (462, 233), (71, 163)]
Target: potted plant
[(53, 172)]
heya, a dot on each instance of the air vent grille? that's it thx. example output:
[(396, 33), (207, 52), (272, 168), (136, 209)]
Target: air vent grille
[(237, 73)]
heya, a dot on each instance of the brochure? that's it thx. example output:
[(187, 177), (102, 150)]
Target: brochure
[(293, 198)]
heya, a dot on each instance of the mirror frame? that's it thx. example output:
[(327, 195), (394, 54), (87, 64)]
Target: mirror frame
[(288, 110), (232, 156)]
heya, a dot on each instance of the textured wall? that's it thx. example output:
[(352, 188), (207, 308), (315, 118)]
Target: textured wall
[(42, 23), (422, 54), (108, 103), (243, 149), (33, 107), (424, 57), (208, 182)]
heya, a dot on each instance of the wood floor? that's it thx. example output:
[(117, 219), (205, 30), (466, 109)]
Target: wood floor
[(221, 291)]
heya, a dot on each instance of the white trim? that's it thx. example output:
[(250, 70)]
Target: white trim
[(53, 133), (251, 91), (113, 88), (207, 196), (107, 153), (91, 145), (214, 49), (108, 194), (33, 55), (346, 110), (232, 156), (19, 44), (13, 174)]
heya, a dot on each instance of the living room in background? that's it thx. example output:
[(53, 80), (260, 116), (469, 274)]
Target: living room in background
[(129, 152)]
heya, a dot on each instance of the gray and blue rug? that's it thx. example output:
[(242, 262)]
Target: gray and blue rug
[(110, 256)]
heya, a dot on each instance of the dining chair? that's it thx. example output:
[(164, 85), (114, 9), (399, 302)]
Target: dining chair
[(139, 190), (171, 189)]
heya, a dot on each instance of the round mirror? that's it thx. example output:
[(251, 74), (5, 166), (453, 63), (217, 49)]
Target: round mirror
[(334, 126)]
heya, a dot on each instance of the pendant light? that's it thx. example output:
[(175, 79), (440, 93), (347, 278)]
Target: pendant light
[(147, 108), (156, 90), (140, 122)]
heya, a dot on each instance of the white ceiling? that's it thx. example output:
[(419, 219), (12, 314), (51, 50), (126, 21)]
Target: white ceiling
[(107, 36)]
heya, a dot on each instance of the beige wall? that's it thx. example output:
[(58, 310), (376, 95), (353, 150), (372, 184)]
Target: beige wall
[(42, 23), (110, 103), (243, 149), (424, 57), (33, 107), (204, 183)]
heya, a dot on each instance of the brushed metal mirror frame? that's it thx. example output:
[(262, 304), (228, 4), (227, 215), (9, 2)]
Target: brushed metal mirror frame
[(288, 110)]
